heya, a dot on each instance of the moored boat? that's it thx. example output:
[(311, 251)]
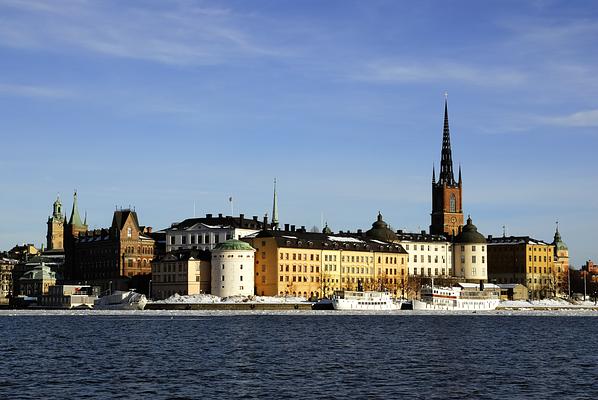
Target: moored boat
[(462, 296), (364, 301)]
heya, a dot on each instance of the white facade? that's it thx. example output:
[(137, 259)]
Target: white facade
[(204, 235), (471, 261), (428, 257), (233, 272)]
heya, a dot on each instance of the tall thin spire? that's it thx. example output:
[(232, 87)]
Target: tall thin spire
[(275, 208), (433, 173), (460, 181), (75, 219), (446, 163)]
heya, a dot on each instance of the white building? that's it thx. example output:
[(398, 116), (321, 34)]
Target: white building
[(206, 233), (470, 253), (232, 269), (429, 255)]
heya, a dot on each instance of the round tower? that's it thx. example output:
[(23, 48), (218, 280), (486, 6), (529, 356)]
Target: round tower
[(232, 269)]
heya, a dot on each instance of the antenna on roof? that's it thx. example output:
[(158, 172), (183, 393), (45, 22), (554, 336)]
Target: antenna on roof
[(504, 231), (232, 208)]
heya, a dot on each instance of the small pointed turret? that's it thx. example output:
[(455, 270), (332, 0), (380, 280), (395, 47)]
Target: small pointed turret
[(275, 208)]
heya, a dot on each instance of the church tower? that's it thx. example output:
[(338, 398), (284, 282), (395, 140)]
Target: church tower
[(55, 236), (447, 210), (72, 229)]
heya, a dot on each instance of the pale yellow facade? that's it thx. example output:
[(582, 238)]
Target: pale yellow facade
[(318, 272), (185, 277)]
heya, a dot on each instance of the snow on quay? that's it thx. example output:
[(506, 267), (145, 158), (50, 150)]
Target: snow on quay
[(211, 299)]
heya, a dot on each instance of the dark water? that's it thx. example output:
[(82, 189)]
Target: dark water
[(298, 356)]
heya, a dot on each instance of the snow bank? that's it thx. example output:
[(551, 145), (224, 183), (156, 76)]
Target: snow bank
[(209, 299), (546, 303)]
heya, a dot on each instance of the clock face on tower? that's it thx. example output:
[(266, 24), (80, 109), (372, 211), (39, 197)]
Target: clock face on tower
[(453, 220)]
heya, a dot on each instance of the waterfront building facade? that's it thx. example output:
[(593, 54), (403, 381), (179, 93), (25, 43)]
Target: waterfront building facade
[(311, 265), (233, 269), (37, 281), (185, 272), (429, 255), (112, 257), (206, 233), (524, 260), (470, 254), (6, 268), (447, 210)]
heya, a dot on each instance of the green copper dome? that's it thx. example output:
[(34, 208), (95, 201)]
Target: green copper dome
[(558, 242), (470, 234), (380, 231), (233, 244)]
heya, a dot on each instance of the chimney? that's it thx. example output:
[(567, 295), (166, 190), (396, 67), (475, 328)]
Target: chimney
[(302, 228), (292, 228), (286, 227), (148, 229), (359, 231), (220, 215), (400, 231), (489, 237), (241, 217), (208, 215), (265, 221), (255, 217), (423, 232)]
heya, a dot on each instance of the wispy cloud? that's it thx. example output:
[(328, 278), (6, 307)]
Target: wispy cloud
[(33, 91), (184, 35), (581, 119), (431, 71)]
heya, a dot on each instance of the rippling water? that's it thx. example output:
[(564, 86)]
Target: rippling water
[(298, 355)]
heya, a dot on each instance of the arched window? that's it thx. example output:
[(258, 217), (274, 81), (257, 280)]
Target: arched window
[(453, 205)]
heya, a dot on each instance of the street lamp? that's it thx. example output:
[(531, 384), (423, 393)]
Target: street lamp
[(149, 293)]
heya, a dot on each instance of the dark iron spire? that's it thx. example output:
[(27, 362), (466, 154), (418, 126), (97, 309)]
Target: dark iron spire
[(433, 173), (446, 162)]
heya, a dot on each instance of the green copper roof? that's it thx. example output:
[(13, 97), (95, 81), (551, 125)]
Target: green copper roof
[(558, 242), (75, 219), (233, 244)]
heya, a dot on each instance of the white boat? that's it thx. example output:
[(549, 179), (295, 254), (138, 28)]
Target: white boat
[(364, 301), (120, 300), (463, 296)]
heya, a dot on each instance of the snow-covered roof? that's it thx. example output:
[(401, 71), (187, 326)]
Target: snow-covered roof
[(346, 239)]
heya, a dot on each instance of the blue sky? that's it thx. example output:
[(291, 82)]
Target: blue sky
[(159, 105)]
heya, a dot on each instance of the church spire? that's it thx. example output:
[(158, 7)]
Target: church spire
[(433, 174), (446, 162), (75, 219), (275, 208)]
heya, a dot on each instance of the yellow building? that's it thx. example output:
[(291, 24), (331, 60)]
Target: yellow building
[(307, 264), (184, 272), (521, 259)]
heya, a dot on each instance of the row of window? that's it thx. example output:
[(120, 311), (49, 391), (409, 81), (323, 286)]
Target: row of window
[(332, 258), (209, 238), (539, 258), (422, 259), (422, 247), (473, 259), (539, 270)]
